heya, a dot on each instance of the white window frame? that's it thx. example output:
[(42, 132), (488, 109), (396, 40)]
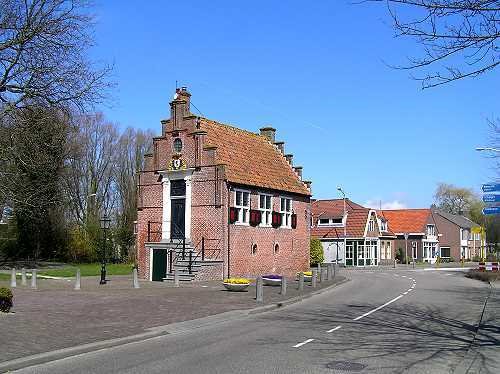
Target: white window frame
[(383, 225), (371, 225), (243, 219), (266, 213), (286, 215), (329, 223), (431, 232)]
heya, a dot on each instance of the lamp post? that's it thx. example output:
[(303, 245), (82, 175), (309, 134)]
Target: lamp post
[(105, 223), (345, 225), (491, 149)]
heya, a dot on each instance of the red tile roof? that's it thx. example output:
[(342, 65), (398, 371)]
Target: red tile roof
[(332, 208), (251, 159), (407, 220), (356, 223)]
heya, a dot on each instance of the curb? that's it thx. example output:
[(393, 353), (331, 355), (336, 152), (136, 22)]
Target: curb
[(293, 300), (154, 332)]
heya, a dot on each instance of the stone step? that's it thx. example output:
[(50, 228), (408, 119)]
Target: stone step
[(182, 277)]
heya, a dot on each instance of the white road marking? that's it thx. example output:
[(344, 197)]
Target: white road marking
[(405, 293), (334, 329), (403, 276), (303, 343), (378, 308), (396, 275)]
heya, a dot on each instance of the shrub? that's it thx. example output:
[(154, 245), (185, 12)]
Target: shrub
[(400, 255), (485, 276), (316, 252), (5, 299)]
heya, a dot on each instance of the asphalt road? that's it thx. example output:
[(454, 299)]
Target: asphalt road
[(380, 322)]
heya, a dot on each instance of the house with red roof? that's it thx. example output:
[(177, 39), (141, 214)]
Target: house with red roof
[(216, 201), (417, 233), (351, 234)]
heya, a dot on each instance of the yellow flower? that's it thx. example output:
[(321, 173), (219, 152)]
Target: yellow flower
[(307, 273), (237, 281)]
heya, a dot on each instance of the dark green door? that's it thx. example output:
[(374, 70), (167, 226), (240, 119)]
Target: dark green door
[(159, 264)]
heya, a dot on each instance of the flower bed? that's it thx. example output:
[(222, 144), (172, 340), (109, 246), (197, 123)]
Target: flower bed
[(307, 275), (236, 284), (272, 279)]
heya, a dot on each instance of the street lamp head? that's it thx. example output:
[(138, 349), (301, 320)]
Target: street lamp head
[(105, 222)]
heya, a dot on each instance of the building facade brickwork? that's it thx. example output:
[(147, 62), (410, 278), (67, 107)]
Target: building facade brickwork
[(199, 171)]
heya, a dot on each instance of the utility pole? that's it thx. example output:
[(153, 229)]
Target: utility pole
[(345, 222)]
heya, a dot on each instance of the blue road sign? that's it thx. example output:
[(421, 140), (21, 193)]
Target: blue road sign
[(492, 210), (491, 187), (491, 198)]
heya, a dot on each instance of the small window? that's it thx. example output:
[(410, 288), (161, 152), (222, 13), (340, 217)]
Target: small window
[(242, 205), (266, 208), (254, 249), (276, 248), (431, 230), (371, 225), (337, 221), (383, 225), (324, 221), (177, 145), (286, 212)]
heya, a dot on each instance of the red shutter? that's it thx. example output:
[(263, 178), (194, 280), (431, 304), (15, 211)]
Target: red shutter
[(294, 221), (276, 221), (255, 217), (233, 215)]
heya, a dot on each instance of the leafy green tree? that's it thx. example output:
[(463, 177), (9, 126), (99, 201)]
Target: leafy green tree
[(316, 253)]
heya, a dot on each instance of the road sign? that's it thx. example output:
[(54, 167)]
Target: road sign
[(490, 198), (491, 187), (492, 210)]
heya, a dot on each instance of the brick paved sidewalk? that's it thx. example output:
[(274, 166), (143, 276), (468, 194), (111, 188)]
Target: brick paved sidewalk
[(55, 316)]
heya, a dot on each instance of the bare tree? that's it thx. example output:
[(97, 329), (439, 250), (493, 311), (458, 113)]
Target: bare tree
[(43, 54), (132, 146), (90, 185), (460, 38)]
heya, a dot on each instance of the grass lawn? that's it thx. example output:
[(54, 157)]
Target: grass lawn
[(87, 270), (4, 276)]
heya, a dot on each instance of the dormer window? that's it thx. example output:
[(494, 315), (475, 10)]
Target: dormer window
[(337, 221), (383, 225), (371, 225), (431, 230)]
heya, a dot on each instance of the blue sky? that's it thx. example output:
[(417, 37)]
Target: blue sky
[(317, 73)]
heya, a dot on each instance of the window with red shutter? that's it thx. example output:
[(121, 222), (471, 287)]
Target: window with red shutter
[(233, 215), (276, 219), (255, 217)]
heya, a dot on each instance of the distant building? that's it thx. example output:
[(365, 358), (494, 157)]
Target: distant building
[(217, 201), (456, 239), (360, 237), (416, 232)]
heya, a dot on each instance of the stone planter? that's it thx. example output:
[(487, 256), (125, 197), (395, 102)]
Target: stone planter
[(272, 280), (235, 287)]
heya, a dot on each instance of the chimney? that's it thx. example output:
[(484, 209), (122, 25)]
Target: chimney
[(180, 106), (210, 151), (281, 147), (289, 158), (308, 185), (268, 133), (298, 170)]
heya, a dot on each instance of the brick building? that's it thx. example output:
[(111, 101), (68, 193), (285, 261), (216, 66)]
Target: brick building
[(417, 233), (217, 201)]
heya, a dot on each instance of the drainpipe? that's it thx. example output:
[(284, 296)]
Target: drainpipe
[(228, 230)]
